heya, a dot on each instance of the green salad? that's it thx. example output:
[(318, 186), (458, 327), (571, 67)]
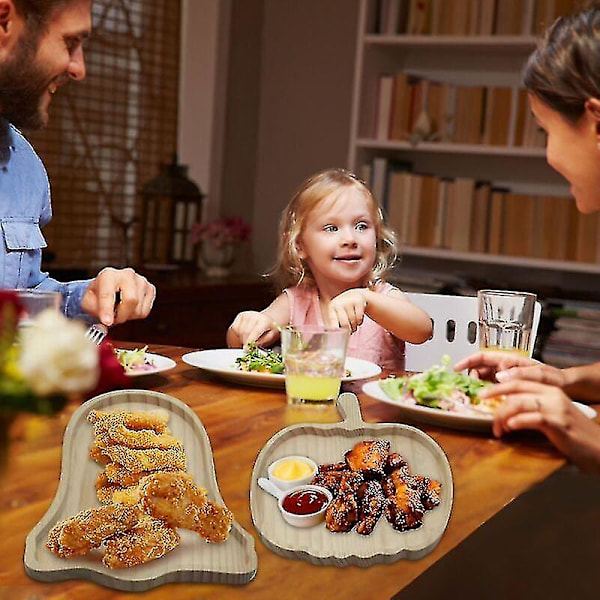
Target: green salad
[(133, 360), (261, 360), (435, 385)]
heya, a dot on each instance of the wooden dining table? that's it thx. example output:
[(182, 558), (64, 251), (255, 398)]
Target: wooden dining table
[(488, 475)]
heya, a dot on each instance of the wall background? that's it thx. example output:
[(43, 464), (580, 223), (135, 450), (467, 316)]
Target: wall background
[(265, 102)]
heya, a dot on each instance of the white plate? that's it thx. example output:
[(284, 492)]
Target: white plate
[(221, 362), (443, 418), (159, 364)]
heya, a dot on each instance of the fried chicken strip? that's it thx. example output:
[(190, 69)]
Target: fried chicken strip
[(114, 428), (136, 460), (86, 530), (148, 540), (175, 499), (97, 455), (152, 419)]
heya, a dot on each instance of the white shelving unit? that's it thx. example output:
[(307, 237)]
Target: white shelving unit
[(460, 60)]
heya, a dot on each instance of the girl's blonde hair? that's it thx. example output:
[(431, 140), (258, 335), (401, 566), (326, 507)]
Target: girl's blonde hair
[(290, 269)]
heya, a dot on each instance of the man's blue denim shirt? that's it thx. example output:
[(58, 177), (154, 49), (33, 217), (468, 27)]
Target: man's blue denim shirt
[(24, 210)]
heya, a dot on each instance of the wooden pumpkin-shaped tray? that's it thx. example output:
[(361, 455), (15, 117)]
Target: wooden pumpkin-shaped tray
[(327, 444), (194, 560)]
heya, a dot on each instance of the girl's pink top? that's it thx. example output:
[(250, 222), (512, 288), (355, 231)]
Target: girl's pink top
[(370, 341)]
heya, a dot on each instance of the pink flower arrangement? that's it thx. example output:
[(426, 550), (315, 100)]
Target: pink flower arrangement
[(222, 231)]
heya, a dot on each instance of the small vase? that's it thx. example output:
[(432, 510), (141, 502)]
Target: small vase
[(216, 260)]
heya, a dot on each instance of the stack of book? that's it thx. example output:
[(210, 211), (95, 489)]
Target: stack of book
[(575, 339), (414, 108), (466, 17), (465, 215)]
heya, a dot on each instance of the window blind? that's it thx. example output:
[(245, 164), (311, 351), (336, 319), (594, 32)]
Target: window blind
[(108, 135)]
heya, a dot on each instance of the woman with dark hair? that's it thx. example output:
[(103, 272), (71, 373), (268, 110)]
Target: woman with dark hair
[(562, 77)]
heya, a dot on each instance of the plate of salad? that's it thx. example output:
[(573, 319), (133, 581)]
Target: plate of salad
[(138, 362), (440, 396), (262, 367)]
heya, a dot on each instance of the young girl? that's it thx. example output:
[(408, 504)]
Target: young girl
[(334, 251)]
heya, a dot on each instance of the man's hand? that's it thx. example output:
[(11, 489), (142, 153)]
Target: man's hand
[(100, 299)]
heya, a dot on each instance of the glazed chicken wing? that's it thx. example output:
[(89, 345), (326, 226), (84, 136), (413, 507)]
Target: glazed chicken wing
[(404, 509), (371, 503), (342, 513), (369, 457), (395, 461), (430, 490)]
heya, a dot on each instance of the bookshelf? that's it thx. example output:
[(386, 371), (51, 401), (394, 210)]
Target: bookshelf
[(487, 61)]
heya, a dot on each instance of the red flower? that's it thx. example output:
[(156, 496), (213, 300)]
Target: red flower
[(112, 374)]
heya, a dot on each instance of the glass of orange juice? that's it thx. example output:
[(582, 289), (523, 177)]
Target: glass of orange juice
[(314, 360), (505, 321)]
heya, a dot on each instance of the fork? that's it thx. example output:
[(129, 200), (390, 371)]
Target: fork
[(96, 333)]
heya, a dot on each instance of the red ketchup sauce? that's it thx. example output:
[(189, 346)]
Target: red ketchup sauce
[(304, 502)]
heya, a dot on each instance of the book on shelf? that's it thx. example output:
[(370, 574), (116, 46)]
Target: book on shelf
[(497, 120), (393, 16), (495, 221), (427, 211), (487, 14), (511, 17), (577, 309), (419, 17), (468, 115), (480, 216), (384, 107), (578, 324), (466, 17), (465, 215), (460, 207), (398, 201), (563, 356), (378, 182), (401, 100), (495, 116), (441, 213), (518, 225)]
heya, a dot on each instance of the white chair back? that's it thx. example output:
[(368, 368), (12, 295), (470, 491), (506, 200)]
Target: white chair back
[(455, 330)]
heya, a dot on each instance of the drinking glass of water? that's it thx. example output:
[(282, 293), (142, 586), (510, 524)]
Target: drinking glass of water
[(35, 302), (314, 363), (505, 321)]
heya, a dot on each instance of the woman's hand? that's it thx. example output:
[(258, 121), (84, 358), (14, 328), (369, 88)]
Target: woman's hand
[(488, 365), (504, 366), (533, 405), (348, 309), (251, 326)]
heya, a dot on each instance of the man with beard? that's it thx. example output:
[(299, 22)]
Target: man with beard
[(41, 49)]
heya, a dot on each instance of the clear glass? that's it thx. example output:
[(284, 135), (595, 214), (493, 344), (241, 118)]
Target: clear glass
[(35, 302), (505, 321), (314, 364)]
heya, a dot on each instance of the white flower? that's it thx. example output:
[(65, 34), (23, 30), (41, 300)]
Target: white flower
[(56, 357)]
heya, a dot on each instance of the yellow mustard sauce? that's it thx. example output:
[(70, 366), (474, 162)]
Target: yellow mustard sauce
[(292, 469)]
